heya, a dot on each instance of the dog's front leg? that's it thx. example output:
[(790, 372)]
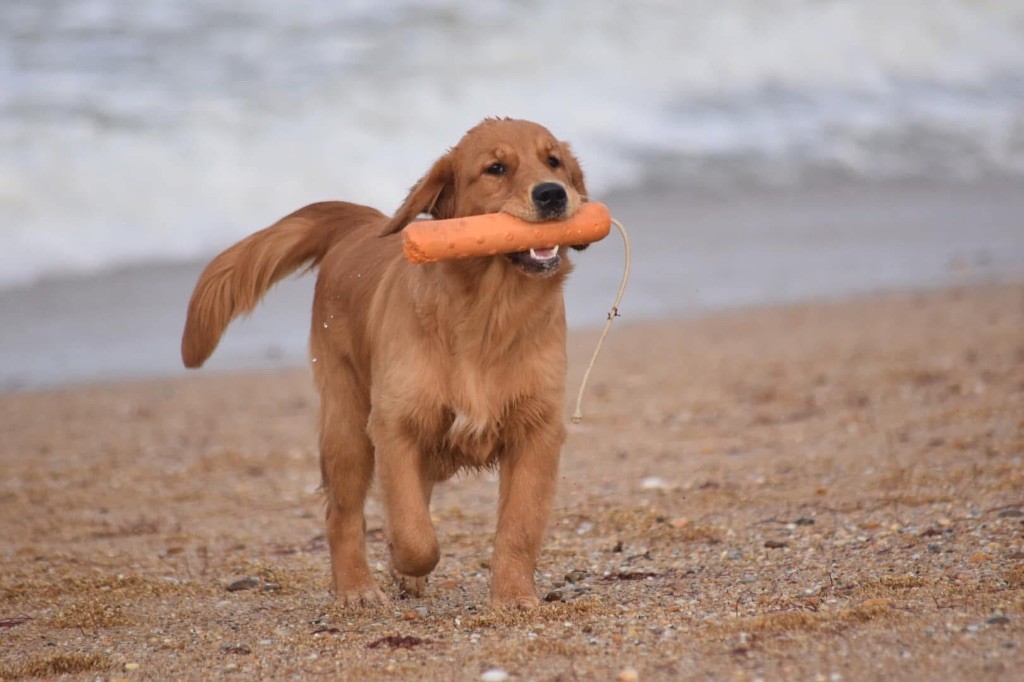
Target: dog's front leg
[(529, 471), (406, 489)]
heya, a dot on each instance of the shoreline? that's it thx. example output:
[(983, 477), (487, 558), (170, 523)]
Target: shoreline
[(273, 363), (692, 254)]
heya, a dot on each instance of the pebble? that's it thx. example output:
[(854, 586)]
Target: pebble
[(575, 576), (997, 620), (494, 675), (654, 483), (131, 666), (775, 544), (1011, 513), (627, 675), (243, 584)]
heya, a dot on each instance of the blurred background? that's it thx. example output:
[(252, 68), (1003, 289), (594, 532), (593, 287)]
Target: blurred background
[(759, 150)]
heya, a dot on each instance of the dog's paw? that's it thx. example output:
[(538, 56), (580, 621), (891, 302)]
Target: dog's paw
[(410, 586), (361, 596), (521, 602)]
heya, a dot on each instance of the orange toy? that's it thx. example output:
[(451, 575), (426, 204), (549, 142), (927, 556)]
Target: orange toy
[(429, 241)]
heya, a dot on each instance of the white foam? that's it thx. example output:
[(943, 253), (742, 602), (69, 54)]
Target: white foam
[(144, 130)]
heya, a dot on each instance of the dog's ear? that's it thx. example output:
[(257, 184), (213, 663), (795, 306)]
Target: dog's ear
[(572, 167), (433, 194)]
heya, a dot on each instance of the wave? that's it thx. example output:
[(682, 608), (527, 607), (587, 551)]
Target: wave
[(140, 130)]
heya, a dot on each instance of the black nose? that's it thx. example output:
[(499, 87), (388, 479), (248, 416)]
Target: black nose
[(550, 198)]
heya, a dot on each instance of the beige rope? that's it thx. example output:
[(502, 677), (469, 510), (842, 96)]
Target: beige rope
[(577, 415)]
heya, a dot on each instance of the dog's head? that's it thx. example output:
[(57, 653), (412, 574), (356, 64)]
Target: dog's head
[(502, 166)]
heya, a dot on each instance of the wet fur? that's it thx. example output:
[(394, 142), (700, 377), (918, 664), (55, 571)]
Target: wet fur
[(423, 371)]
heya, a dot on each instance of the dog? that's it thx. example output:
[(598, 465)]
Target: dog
[(425, 371)]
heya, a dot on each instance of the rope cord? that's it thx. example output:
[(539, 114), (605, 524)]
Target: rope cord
[(577, 415)]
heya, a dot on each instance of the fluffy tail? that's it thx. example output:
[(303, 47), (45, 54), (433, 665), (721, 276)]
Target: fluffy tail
[(235, 281)]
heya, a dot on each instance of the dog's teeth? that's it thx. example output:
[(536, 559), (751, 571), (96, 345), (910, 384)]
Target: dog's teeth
[(548, 255)]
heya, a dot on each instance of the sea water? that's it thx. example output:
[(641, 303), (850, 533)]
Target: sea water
[(160, 131)]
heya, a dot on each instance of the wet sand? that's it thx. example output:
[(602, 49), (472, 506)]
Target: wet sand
[(816, 491), (693, 252)]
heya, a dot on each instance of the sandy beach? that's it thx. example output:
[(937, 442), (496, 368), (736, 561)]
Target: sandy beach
[(828, 491)]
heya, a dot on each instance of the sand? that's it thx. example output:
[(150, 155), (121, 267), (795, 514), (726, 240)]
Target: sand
[(819, 491)]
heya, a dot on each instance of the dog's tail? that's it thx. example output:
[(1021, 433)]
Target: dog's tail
[(235, 281)]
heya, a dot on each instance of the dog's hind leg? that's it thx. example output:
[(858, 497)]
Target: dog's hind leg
[(346, 464)]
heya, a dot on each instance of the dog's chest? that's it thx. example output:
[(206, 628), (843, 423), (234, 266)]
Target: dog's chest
[(474, 409), (471, 416)]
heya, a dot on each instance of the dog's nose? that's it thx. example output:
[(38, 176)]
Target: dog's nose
[(549, 197)]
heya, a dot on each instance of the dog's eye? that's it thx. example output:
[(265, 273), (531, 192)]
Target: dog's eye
[(495, 169), (553, 162)]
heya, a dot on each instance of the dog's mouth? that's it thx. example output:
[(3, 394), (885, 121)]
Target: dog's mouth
[(537, 262)]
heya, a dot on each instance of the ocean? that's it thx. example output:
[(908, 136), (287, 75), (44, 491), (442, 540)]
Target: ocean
[(161, 131)]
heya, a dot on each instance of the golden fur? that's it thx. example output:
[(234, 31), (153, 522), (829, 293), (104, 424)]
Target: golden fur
[(424, 370)]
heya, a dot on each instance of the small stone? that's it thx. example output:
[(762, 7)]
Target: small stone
[(627, 675), (494, 675), (243, 584), (236, 649), (804, 521), (575, 576), (1011, 513), (554, 595), (997, 620), (270, 587), (410, 615), (775, 544), (934, 549), (131, 666), (654, 483), (734, 554), (979, 558)]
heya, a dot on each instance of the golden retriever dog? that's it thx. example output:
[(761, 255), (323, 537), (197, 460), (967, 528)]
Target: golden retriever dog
[(425, 370)]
